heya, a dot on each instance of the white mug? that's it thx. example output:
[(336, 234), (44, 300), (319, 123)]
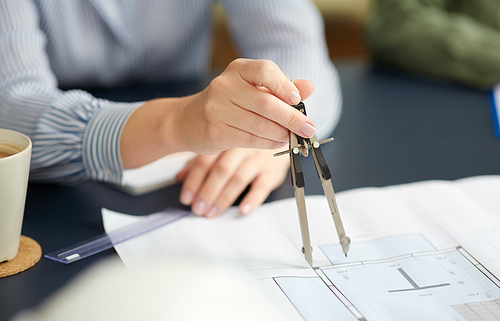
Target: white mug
[(15, 157)]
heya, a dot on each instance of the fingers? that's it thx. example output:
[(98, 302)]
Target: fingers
[(274, 106), (265, 73), (194, 177), (216, 178), (260, 189), (247, 106), (246, 173), (213, 185), (272, 118), (250, 129), (305, 87), (264, 181)]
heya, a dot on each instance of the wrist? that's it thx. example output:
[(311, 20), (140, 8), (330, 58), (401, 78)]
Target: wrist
[(153, 131), (171, 124)]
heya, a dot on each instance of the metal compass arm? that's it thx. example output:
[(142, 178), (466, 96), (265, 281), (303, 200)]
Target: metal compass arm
[(299, 145), (298, 189), (326, 180)]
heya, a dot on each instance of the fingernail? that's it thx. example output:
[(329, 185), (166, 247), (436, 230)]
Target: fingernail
[(186, 197), (199, 207), (308, 130), (213, 212), (294, 97), (246, 209)]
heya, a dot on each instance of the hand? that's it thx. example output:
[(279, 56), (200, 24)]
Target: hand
[(247, 106), (211, 183)]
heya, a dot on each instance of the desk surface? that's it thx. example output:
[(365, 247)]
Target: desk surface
[(394, 129)]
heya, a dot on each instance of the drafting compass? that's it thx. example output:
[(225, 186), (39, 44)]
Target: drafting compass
[(300, 145)]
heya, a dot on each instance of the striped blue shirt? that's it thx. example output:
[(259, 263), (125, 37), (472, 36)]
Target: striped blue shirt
[(50, 44)]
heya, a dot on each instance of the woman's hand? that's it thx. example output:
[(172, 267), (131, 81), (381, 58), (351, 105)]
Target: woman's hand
[(211, 183), (247, 106)]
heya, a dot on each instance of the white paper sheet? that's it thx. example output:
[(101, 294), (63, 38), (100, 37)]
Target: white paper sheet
[(423, 238)]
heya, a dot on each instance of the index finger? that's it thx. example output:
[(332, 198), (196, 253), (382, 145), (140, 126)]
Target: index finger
[(265, 73)]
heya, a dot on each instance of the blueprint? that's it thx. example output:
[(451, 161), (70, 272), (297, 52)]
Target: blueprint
[(420, 251), (411, 286)]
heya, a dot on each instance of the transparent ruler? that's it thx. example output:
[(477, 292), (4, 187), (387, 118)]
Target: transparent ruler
[(108, 240)]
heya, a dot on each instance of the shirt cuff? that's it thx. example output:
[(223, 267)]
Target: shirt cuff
[(101, 139)]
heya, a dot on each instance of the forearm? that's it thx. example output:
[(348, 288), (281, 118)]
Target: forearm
[(151, 132), (428, 39)]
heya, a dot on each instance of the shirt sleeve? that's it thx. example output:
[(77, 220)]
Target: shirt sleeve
[(75, 136), (290, 33), (427, 37)]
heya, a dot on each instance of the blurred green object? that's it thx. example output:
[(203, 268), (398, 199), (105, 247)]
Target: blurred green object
[(456, 40)]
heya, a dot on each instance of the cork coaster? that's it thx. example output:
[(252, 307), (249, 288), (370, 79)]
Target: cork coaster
[(28, 255)]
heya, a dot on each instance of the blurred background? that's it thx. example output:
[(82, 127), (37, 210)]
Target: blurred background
[(343, 31)]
